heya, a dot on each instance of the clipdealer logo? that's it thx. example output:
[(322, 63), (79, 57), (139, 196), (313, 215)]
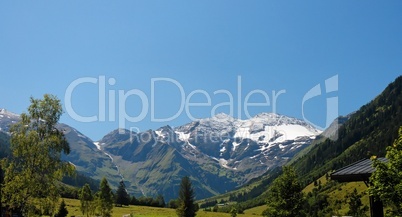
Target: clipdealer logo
[(116, 100)]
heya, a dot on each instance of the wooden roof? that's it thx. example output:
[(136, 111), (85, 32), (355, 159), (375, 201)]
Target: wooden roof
[(356, 172)]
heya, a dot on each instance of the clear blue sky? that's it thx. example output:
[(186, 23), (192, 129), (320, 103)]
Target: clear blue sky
[(203, 45)]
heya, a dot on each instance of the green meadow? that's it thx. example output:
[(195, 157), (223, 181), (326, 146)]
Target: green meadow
[(73, 207)]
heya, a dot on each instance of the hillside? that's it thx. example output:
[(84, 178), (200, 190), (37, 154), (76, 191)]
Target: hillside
[(367, 132), (86, 158), (332, 133), (364, 133)]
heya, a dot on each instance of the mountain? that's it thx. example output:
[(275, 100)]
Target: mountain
[(151, 166), (218, 153), (87, 158), (251, 146)]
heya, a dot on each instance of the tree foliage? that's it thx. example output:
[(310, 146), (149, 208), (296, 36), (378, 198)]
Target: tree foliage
[(160, 200), (186, 206), (386, 181), (122, 197), (62, 212), (105, 199), (86, 198), (233, 212), (356, 207), (173, 204), (35, 163), (285, 197), (317, 201)]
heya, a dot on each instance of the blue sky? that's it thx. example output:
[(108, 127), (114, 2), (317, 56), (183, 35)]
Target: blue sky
[(201, 45)]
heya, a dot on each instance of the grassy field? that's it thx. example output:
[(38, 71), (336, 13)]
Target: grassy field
[(73, 207), (309, 188), (256, 211), (341, 193)]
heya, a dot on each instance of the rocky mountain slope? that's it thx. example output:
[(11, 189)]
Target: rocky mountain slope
[(87, 158)]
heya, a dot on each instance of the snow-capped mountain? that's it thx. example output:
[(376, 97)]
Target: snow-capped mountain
[(6, 119), (256, 144), (266, 129), (218, 153)]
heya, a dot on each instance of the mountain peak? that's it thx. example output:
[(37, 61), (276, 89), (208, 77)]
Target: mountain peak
[(165, 128), (8, 113), (223, 116), (7, 118), (268, 115)]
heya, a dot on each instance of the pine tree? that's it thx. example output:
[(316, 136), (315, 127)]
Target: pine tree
[(161, 201), (122, 197), (286, 197), (94, 205), (86, 199), (186, 206), (134, 201), (105, 199), (62, 212), (32, 172), (216, 208)]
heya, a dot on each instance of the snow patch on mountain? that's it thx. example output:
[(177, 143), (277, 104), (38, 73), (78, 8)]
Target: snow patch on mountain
[(159, 133), (223, 149), (235, 144), (224, 163), (98, 146), (183, 136)]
